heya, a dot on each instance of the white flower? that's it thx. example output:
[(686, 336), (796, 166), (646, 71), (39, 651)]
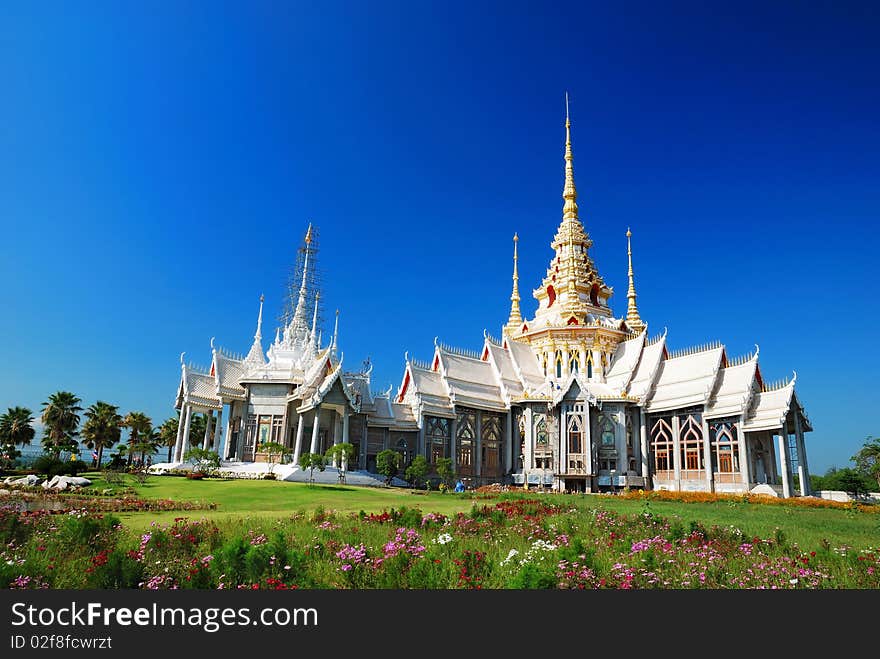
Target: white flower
[(510, 555), (793, 581), (443, 538)]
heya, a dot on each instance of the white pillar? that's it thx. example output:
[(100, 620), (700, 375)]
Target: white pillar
[(297, 447), (803, 467), (528, 454), (315, 424), (707, 456), (562, 468), (643, 439), (209, 417), (744, 458), (508, 443), (218, 431), (478, 446), (676, 448), (186, 428), (175, 454), (227, 433), (784, 463)]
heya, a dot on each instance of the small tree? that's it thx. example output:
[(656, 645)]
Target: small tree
[(445, 471), (852, 482), (204, 461), (312, 461), (341, 453), (274, 452), (417, 470), (867, 460), (388, 464)]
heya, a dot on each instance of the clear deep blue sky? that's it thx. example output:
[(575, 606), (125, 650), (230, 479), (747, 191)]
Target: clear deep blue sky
[(159, 163)]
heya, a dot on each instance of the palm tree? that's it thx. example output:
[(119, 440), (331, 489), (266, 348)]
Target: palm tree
[(16, 428), (168, 433), (103, 427), (141, 429), (60, 418), (197, 426)]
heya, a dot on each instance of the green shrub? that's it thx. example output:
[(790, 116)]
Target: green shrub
[(534, 576)]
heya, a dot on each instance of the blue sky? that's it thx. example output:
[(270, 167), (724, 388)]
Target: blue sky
[(159, 163)]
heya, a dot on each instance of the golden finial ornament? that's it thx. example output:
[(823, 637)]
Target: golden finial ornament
[(569, 192), (514, 322), (633, 320), (309, 235)]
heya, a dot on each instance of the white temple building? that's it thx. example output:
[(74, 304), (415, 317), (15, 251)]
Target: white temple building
[(572, 398)]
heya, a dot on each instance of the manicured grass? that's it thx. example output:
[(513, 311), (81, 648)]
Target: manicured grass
[(807, 527), (252, 499)]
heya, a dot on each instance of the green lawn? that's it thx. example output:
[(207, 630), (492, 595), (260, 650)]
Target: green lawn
[(251, 499), (239, 500)]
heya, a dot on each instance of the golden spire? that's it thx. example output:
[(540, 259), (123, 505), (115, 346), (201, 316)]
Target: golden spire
[(633, 320), (515, 320), (309, 235), (569, 193)]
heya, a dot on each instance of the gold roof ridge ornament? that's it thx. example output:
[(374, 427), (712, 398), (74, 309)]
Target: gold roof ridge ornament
[(633, 320), (514, 322), (569, 192)]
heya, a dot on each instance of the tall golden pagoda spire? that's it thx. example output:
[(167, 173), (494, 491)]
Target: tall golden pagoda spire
[(569, 193), (633, 320), (515, 320)]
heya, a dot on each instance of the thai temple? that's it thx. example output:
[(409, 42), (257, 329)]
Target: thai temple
[(571, 398)]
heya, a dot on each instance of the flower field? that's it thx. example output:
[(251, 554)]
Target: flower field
[(502, 542)]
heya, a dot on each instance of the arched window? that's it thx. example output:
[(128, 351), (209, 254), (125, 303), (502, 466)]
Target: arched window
[(575, 431), (403, 448), (691, 440), (491, 432), (607, 432), (541, 432), (558, 364), (594, 295), (590, 365), (465, 435), (662, 444), (437, 437), (573, 364), (725, 447)]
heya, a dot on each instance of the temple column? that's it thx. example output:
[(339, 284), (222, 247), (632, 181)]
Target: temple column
[(186, 428), (528, 455), (562, 441), (744, 457), (345, 430), (643, 438), (209, 418), (218, 431), (707, 456), (227, 433), (803, 467), (588, 444), (597, 365), (297, 447), (566, 355), (315, 424), (175, 454), (453, 430), (478, 446), (784, 466), (676, 452), (508, 442), (362, 458)]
